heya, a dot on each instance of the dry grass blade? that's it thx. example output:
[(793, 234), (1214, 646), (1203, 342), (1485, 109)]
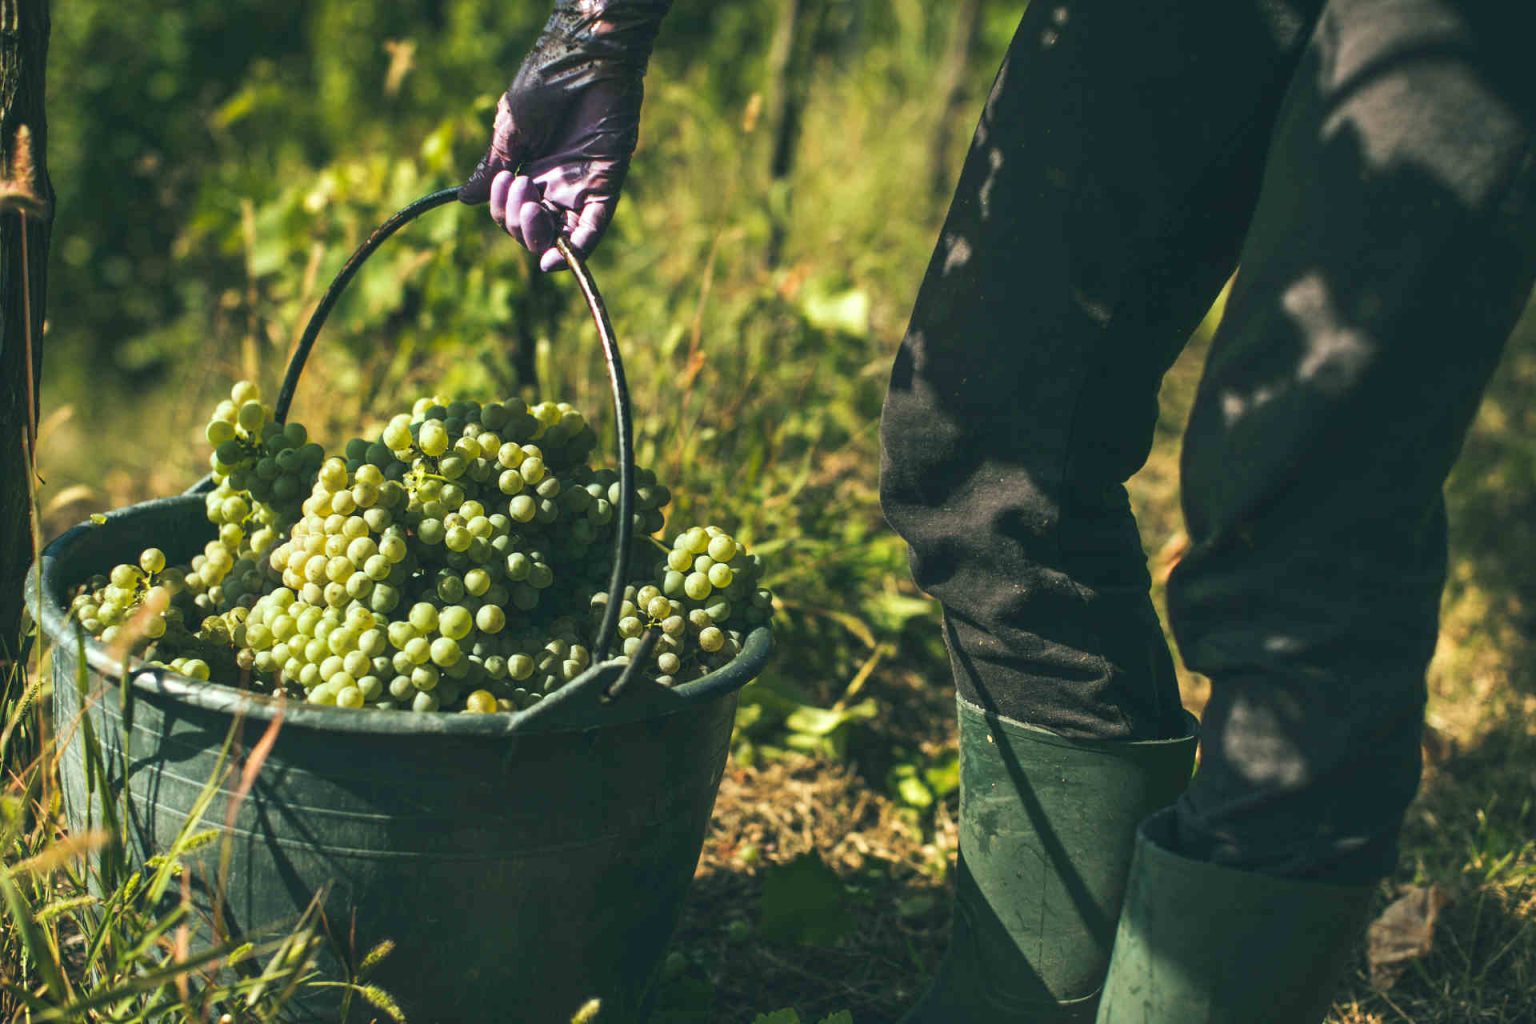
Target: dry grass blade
[(68, 496), (61, 852), (248, 774)]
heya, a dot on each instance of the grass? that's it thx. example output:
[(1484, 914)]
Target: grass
[(758, 390)]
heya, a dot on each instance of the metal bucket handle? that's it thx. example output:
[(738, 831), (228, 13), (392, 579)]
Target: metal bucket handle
[(622, 408)]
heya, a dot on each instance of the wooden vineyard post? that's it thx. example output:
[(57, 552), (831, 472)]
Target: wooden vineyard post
[(955, 78), (26, 209), (791, 62)]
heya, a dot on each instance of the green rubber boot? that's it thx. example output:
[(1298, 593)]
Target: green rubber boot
[(1047, 826), (1205, 944)]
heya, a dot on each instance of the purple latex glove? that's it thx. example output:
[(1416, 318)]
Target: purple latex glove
[(567, 126)]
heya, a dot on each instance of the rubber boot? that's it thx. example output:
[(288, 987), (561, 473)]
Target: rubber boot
[(1201, 943), (1047, 827)]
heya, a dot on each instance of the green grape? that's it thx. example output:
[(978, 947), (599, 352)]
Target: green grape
[(251, 416), (397, 435), (432, 438), (522, 508), (425, 677), (423, 617), (220, 432), (711, 639), (490, 619), (697, 586), (152, 561), (455, 622), (393, 547), (446, 651)]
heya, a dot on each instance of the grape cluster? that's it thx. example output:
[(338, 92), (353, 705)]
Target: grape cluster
[(460, 560), (133, 603), (705, 598), (415, 553), (261, 469)]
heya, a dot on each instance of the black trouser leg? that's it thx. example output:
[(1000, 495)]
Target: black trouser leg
[(1391, 251), (1101, 208)]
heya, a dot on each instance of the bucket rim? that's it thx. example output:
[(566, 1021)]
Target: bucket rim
[(45, 598)]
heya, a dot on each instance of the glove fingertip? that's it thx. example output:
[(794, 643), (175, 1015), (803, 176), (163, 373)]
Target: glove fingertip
[(538, 233), (551, 261), (585, 238)]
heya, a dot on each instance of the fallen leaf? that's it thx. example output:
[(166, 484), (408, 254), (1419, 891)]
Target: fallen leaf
[(1404, 932), (802, 903)]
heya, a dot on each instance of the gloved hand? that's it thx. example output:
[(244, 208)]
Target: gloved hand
[(567, 126)]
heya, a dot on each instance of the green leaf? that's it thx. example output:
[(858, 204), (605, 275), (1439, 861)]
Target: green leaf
[(814, 721), (803, 903), (840, 1017), (843, 312), (891, 612), (943, 776), (913, 792), (777, 1017)]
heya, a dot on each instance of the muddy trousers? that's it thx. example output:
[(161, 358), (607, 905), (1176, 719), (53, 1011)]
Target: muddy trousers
[(1366, 167)]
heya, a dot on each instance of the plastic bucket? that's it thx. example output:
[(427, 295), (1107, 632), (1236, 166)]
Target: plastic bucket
[(522, 864), (519, 873)]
